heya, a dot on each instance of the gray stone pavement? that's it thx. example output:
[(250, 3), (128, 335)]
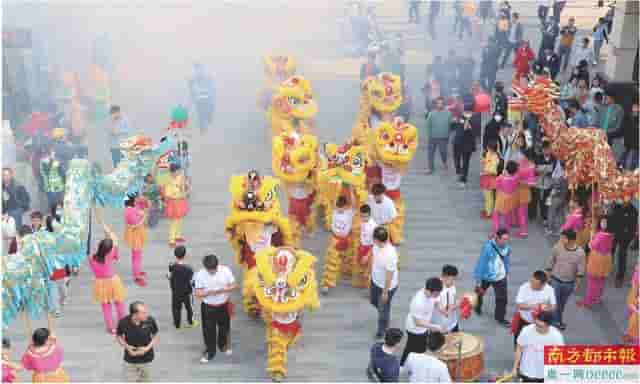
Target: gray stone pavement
[(443, 224)]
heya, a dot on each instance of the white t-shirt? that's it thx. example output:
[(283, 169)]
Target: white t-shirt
[(447, 296), (421, 308), (384, 259), (220, 280), (532, 343), (264, 240), (501, 272), (382, 213), (425, 368), (299, 191), (8, 228), (528, 296), (366, 232), (341, 222), (391, 178)]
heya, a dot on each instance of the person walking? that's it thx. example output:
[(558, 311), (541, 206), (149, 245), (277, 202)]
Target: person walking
[(524, 55), (599, 265), (565, 268), (384, 278), (176, 204), (203, 95), (624, 225), (489, 65), (550, 31), (516, 33), (543, 10), (180, 280), (534, 296), (108, 289), (427, 367), (492, 270), (213, 285), (567, 37), (52, 171), (15, 197), (631, 133), (44, 357), (137, 333), (599, 36), (438, 126), (135, 235), (612, 118), (120, 130), (558, 7), (384, 365), (464, 144), (419, 324)]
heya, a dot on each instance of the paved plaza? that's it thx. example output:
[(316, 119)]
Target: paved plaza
[(442, 224)]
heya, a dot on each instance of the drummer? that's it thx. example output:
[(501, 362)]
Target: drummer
[(446, 313)]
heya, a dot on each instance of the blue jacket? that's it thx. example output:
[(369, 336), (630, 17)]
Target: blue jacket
[(485, 268)]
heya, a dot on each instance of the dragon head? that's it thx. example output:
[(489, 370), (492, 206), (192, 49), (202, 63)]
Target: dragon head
[(396, 142), (294, 156), (294, 99), (255, 197), (286, 280), (345, 163), (385, 92)]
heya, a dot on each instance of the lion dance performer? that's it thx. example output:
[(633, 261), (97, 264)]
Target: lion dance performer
[(395, 144), (255, 223), (285, 286), (342, 173), (277, 69), (293, 107), (294, 162), (380, 97)]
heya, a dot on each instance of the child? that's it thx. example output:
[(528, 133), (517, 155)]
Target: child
[(8, 367), (151, 192), (339, 244), (506, 185), (526, 179), (599, 264), (489, 165), (360, 278), (176, 206), (446, 314), (180, 275), (135, 235), (45, 358)]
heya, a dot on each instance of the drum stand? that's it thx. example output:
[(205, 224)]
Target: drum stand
[(458, 345)]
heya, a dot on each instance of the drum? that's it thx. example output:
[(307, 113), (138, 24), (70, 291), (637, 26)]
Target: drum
[(471, 363)]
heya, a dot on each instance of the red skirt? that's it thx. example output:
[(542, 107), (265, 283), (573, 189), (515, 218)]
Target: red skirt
[(176, 208), (300, 209), (363, 250), (290, 329), (487, 182)]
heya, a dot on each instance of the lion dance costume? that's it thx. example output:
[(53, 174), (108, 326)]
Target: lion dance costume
[(294, 162), (342, 172), (285, 286), (276, 69), (255, 223), (292, 107)]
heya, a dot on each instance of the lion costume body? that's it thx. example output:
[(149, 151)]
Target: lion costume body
[(251, 230), (284, 287), (294, 162)]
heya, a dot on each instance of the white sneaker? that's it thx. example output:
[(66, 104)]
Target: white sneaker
[(205, 358), (228, 352)]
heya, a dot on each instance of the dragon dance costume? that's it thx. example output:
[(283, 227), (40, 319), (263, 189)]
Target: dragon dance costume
[(285, 286), (255, 223)]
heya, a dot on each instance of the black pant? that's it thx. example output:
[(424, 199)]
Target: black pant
[(215, 328), (415, 343), (176, 308), (461, 161), (558, 6), (542, 13), (620, 249), (500, 290)]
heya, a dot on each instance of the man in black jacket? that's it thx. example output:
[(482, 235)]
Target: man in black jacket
[(550, 31), (464, 144), (551, 61), (14, 197), (489, 65), (631, 131), (624, 225)]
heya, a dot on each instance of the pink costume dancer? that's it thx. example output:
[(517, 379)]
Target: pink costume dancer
[(526, 176), (136, 235), (108, 289), (506, 186), (599, 266)]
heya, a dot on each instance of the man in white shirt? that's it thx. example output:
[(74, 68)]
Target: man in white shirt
[(341, 224), (528, 362), (213, 285), (426, 367), (383, 210), (360, 273), (419, 324), (384, 277), (446, 314), (533, 296)]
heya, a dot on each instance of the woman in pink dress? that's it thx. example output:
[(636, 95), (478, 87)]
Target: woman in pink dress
[(9, 368), (526, 179), (135, 235), (44, 357), (599, 264), (506, 186), (108, 288)]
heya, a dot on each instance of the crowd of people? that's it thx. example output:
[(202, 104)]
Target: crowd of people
[(520, 178)]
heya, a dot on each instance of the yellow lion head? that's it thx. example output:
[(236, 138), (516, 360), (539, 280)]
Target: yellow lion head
[(254, 199), (396, 143), (345, 163), (279, 66), (294, 156), (385, 91), (294, 99), (286, 280)]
